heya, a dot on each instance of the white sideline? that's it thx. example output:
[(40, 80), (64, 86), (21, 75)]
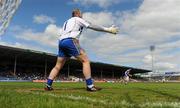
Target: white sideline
[(106, 102), (72, 97)]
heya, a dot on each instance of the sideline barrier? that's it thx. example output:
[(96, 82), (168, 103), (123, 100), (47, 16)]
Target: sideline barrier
[(39, 80), (15, 80)]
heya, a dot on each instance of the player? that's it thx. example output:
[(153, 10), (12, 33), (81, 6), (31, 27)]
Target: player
[(69, 46), (164, 79), (126, 76)]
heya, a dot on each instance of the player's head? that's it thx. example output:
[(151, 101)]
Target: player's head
[(76, 13)]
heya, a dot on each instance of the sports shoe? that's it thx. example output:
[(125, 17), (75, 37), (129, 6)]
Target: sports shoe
[(48, 88), (93, 89)]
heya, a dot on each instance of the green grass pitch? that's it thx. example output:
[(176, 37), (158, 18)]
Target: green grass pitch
[(74, 95)]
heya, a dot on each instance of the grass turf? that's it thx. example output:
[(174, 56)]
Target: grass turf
[(74, 95)]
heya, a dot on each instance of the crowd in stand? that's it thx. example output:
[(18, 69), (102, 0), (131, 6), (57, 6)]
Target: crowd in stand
[(30, 76), (37, 75), (25, 75), (9, 74)]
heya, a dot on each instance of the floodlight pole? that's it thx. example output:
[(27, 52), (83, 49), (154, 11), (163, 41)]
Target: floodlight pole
[(15, 63), (101, 73), (152, 48), (68, 71), (45, 68), (112, 73)]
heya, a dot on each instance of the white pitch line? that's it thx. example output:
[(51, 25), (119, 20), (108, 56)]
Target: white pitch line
[(72, 97), (121, 103), (79, 98), (161, 104)]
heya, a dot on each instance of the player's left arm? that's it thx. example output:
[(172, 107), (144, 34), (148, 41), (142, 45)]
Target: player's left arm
[(112, 29)]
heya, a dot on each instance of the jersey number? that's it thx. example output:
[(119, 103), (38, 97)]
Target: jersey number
[(65, 25)]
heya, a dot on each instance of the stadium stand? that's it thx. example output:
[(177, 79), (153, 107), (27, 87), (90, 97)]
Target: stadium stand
[(25, 64)]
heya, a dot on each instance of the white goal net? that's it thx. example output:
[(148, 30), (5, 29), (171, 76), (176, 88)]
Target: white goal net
[(7, 10)]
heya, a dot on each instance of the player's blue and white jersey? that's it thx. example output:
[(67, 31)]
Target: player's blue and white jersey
[(73, 27), (127, 72)]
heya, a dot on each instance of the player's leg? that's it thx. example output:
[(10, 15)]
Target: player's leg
[(87, 71), (123, 80), (126, 80), (72, 48), (86, 64), (54, 72), (59, 64)]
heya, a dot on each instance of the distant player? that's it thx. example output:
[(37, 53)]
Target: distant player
[(126, 76), (163, 79), (69, 46)]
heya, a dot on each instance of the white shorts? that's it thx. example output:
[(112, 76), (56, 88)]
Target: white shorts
[(126, 78)]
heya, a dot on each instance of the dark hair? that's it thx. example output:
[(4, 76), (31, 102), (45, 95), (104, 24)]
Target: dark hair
[(75, 11)]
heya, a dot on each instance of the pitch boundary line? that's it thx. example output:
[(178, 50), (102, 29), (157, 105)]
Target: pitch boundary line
[(106, 102)]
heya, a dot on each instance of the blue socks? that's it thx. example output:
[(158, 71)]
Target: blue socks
[(89, 82), (49, 82)]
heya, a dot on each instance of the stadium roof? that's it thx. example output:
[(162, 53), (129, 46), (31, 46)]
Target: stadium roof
[(38, 57)]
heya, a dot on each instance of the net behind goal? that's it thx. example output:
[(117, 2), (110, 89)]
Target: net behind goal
[(7, 10)]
